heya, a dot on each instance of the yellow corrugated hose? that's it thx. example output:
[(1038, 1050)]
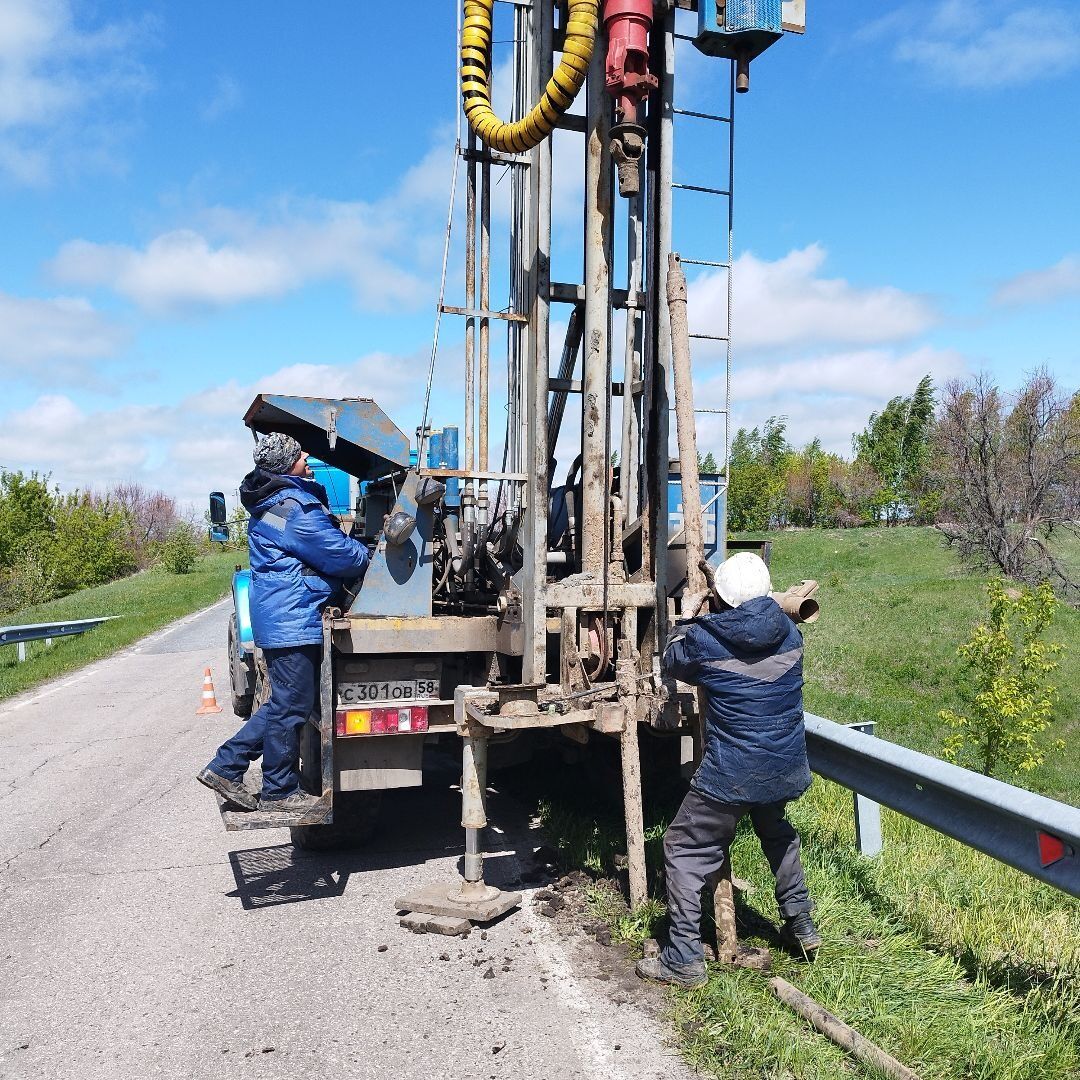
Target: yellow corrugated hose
[(562, 88)]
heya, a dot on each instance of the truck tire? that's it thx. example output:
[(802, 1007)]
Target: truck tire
[(356, 815), (240, 681)]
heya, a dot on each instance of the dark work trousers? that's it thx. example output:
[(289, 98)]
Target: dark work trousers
[(274, 731), (695, 846)]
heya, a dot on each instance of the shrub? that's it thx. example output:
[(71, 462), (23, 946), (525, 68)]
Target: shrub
[(1009, 702), (181, 549), (90, 544), (25, 582)]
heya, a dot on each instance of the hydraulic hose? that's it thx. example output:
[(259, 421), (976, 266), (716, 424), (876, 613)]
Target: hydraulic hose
[(581, 30)]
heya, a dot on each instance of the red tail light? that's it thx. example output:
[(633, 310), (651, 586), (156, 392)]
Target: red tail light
[(390, 720)]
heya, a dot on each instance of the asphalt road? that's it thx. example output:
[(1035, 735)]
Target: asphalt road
[(139, 939)]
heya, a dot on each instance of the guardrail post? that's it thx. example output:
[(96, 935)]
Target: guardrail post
[(22, 651), (867, 812)]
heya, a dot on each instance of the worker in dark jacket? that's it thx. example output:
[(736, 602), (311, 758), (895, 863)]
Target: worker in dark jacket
[(299, 558), (748, 661)]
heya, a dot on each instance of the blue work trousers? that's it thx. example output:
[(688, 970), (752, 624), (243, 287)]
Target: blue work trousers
[(274, 731), (695, 847)]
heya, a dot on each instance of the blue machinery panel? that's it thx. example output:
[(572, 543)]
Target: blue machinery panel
[(353, 434), (714, 519), (737, 28), (338, 486), (398, 580), (443, 454)]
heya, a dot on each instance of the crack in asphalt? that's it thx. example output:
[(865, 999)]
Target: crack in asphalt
[(20, 781), (33, 847)]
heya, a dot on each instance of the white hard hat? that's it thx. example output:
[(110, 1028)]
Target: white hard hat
[(743, 577)]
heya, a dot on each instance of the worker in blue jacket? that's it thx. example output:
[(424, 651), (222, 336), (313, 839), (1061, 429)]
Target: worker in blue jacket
[(299, 559), (748, 661)]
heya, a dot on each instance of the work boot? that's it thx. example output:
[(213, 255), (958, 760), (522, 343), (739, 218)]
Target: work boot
[(297, 803), (655, 970), (799, 932), (232, 791)]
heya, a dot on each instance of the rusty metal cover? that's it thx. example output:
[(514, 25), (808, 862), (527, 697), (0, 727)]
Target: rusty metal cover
[(353, 434)]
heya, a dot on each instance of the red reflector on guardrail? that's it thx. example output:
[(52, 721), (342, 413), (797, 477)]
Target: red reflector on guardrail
[(1051, 849)]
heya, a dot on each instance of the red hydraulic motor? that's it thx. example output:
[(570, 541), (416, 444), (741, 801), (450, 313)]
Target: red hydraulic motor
[(628, 80)]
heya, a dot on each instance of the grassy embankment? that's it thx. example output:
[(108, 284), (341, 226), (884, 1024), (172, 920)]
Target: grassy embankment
[(146, 602), (961, 967)]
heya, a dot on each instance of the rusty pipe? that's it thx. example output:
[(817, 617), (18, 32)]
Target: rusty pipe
[(798, 602), (686, 426)]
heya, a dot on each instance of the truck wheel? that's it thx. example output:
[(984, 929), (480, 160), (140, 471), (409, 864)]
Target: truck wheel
[(356, 815), (239, 677)]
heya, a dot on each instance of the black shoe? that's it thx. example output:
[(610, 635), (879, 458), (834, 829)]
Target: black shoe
[(297, 802), (232, 791), (800, 933), (654, 969)]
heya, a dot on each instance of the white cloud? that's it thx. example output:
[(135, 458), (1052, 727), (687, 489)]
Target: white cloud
[(787, 303), (54, 337), (983, 46), (236, 258), (199, 444), (1042, 286), (821, 351), (52, 73), (227, 97), (827, 395)]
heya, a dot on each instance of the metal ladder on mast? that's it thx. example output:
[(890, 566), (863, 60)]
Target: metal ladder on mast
[(726, 267)]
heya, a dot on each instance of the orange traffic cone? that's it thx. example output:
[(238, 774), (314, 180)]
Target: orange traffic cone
[(209, 698)]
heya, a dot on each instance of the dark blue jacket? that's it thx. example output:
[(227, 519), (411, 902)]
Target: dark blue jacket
[(748, 661), (299, 558)]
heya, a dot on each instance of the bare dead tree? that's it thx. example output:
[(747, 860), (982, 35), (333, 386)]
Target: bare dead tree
[(152, 515), (1008, 467)]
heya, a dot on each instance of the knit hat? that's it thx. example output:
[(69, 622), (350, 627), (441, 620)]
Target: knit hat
[(277, 453)]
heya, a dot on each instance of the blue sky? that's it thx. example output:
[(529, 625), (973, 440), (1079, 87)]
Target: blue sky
[(199, 201)]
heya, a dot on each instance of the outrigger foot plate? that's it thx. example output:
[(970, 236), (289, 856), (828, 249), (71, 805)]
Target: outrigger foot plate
[(474, 901)]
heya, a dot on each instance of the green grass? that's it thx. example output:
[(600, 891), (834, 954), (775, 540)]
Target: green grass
[(895, 606), (146, 602), (959, 966)]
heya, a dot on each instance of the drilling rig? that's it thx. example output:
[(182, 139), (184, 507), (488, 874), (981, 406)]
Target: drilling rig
[(534, 595)]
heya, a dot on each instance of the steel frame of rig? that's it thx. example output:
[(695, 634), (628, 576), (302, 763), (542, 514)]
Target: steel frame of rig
[(500, 602), (598, 585)]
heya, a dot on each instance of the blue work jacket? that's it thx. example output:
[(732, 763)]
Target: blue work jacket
[(299, 558), (748, 661)]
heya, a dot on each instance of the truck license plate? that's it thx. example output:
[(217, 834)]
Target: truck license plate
[(406, 690)]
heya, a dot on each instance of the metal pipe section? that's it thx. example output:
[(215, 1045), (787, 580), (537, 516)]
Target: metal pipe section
[(470, 303), (485, 330), (626, 674), (629, 457), (474, 758), (658, 450), (596, 381), (537, 252), (686, 427), (728, 345)]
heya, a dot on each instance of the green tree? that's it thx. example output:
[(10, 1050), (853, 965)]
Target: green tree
[(896, 445), (813, 495), (757, 488), (181, 549), (1008, 700), (90, 545), (26, 515), (707, 464)]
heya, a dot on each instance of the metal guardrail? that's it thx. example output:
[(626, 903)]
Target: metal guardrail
[(1035, 834), (20, 635)]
